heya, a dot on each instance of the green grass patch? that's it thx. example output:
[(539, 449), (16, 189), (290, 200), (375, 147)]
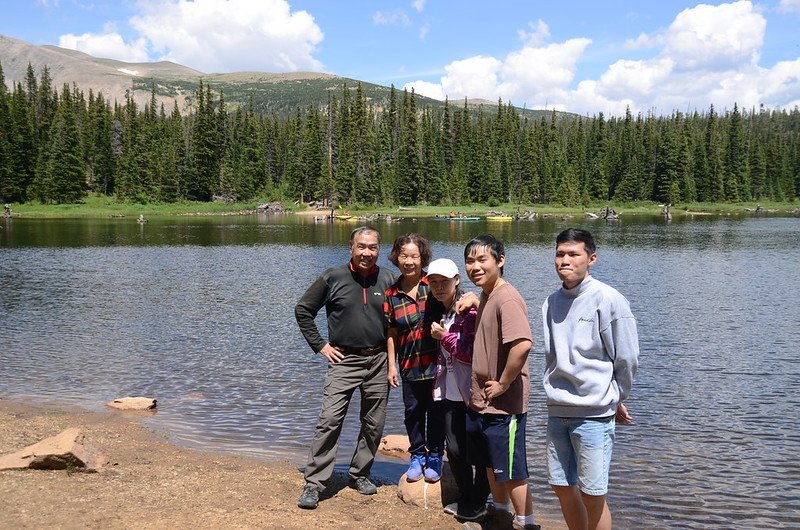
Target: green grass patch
[(97, 206)]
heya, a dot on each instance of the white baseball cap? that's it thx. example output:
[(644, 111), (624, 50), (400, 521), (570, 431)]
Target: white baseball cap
[(444, 267)]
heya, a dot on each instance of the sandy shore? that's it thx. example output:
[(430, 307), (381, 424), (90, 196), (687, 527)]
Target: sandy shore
[(154, 484)]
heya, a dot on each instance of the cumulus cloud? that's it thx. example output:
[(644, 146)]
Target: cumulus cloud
[(532, 75), (419, 5), (108, 44), (540, 33), (789, 6), (716, 37), (392, 18), (708, 54), (230, 35), (645, 41), (431, 90), (212, 36)]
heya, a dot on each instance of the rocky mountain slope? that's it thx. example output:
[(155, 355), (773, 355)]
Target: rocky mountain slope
[(174, 83)]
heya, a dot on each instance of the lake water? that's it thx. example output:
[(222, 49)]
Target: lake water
[(198, 313)]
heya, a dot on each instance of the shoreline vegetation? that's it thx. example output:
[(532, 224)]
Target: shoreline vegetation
[(98, 207)]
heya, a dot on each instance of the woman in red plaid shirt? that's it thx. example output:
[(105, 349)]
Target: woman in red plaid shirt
[(410, 345)]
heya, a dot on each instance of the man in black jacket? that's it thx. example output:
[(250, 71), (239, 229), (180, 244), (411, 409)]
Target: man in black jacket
[(353, 296)]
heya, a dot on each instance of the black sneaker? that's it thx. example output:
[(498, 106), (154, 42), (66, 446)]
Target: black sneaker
[(466, 512), (309, 498), (363, 486)]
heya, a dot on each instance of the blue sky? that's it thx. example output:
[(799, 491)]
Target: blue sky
[(583, 56)]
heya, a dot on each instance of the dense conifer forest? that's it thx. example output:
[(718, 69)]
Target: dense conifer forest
[(58, 145)]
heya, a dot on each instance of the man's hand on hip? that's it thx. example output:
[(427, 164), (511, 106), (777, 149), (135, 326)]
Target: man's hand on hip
[(334, 355)]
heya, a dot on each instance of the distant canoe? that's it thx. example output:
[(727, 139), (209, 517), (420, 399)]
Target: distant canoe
[(345, 217), (458, 218), (499, 218)]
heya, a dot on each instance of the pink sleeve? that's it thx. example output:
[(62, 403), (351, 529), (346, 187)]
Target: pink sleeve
[(458, 341)]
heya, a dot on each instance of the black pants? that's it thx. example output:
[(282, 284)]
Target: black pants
[(423, 418), (473, 484)]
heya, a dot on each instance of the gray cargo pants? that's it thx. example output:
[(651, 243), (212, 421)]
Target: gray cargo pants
[(368, 374)]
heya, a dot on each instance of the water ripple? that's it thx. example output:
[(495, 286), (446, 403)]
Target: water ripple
[(201, 317)]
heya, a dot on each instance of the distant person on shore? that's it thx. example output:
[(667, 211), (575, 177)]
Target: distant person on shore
[(456, 333), (591, 355), (411, 346), (498, 408), (353, 297)]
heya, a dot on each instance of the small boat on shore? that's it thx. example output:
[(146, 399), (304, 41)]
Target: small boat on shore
[(456, 218), (499, 218)]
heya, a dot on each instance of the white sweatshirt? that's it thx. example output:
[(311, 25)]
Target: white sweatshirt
[(591, 350)]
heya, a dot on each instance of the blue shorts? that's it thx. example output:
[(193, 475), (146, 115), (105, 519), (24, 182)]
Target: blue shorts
[(497, 441), (579, 453)]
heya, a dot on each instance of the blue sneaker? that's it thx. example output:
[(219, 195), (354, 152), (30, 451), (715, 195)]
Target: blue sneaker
[(414, 472), (433, 468)]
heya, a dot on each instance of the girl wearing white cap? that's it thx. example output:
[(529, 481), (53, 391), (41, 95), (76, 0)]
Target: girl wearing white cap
[(455, 333)]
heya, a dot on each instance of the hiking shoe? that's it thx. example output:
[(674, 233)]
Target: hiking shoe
[(414, 472), (363, 486), (451, 509), (500, 520), (470, 513), (517, 526), (309, 498), (433, 468)]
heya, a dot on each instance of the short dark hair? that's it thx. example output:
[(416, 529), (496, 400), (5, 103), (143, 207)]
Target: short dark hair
[(424, 247), (495, 246), (577, 235), (363, 229)]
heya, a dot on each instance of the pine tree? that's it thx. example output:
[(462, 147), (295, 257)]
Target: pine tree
[(8, 189), (99, 148), (409, 156), (737, 175), (312, 156), (65, 179), (204, 156)]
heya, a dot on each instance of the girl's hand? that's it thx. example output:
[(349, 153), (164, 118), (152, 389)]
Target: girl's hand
[(437, 330)]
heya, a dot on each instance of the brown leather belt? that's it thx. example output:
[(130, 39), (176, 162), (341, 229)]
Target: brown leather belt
[(363, 351)]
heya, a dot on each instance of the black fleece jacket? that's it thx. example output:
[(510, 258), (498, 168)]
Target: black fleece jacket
[(353, 304)]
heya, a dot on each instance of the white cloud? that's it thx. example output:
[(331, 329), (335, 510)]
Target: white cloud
[(423, 31), (789, 6), (475, 77), (530, 75), (424, 88), (108, 44), (644, 41), (708, 54), (539, 35), (230, 35), (716, 37), (419, 5), (635, 78), (393, 18)]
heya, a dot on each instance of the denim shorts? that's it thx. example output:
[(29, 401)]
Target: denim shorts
[(579, 453)]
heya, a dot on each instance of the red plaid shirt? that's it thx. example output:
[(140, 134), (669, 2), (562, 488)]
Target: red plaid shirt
[(415, 349)]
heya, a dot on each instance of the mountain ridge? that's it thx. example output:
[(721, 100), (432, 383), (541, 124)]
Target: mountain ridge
[(174, 83)]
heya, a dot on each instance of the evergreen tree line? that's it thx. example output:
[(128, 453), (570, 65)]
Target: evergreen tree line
[(57, 146)]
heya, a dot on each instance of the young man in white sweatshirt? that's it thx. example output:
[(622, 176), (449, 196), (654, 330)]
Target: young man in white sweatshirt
[(591, 355)]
